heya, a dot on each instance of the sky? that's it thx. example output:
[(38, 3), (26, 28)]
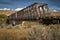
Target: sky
[(17, 4)]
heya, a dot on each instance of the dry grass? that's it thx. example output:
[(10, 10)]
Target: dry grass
[(12, 34), (7, 12), (34, 32)]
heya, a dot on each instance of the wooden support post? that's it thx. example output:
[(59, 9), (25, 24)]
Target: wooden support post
[(39, 11), (46, 6), (43, 11), (34, 10), (28, 11), (58, 21), (16, 14)]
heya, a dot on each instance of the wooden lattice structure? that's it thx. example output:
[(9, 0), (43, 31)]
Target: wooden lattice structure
[(36, 11)]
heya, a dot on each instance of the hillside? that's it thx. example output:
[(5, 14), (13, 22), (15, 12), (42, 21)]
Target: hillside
[(7, 12), (55, 13)]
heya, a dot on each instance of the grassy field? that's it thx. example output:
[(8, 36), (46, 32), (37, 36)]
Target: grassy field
[(7, 12), (31, 31)]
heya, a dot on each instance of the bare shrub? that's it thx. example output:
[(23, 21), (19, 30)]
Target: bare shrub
[(35, 32)]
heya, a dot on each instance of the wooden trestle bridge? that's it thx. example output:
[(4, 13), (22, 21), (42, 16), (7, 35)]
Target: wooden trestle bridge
[(36, 11)]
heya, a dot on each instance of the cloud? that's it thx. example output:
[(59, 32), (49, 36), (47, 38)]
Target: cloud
[(17, 9), (5, 9), (55, 10)]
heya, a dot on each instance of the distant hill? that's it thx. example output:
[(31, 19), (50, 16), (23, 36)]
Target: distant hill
[(55, 13), (9, 12), (6, 12)]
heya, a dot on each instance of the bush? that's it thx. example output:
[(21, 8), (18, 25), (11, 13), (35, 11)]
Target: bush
[(3, 19)]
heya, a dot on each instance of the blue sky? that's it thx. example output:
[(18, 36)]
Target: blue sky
[(13, 4)]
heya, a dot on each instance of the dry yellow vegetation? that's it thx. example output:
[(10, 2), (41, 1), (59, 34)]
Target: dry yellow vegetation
[(7, 12), (55, 13), (34, 32)]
